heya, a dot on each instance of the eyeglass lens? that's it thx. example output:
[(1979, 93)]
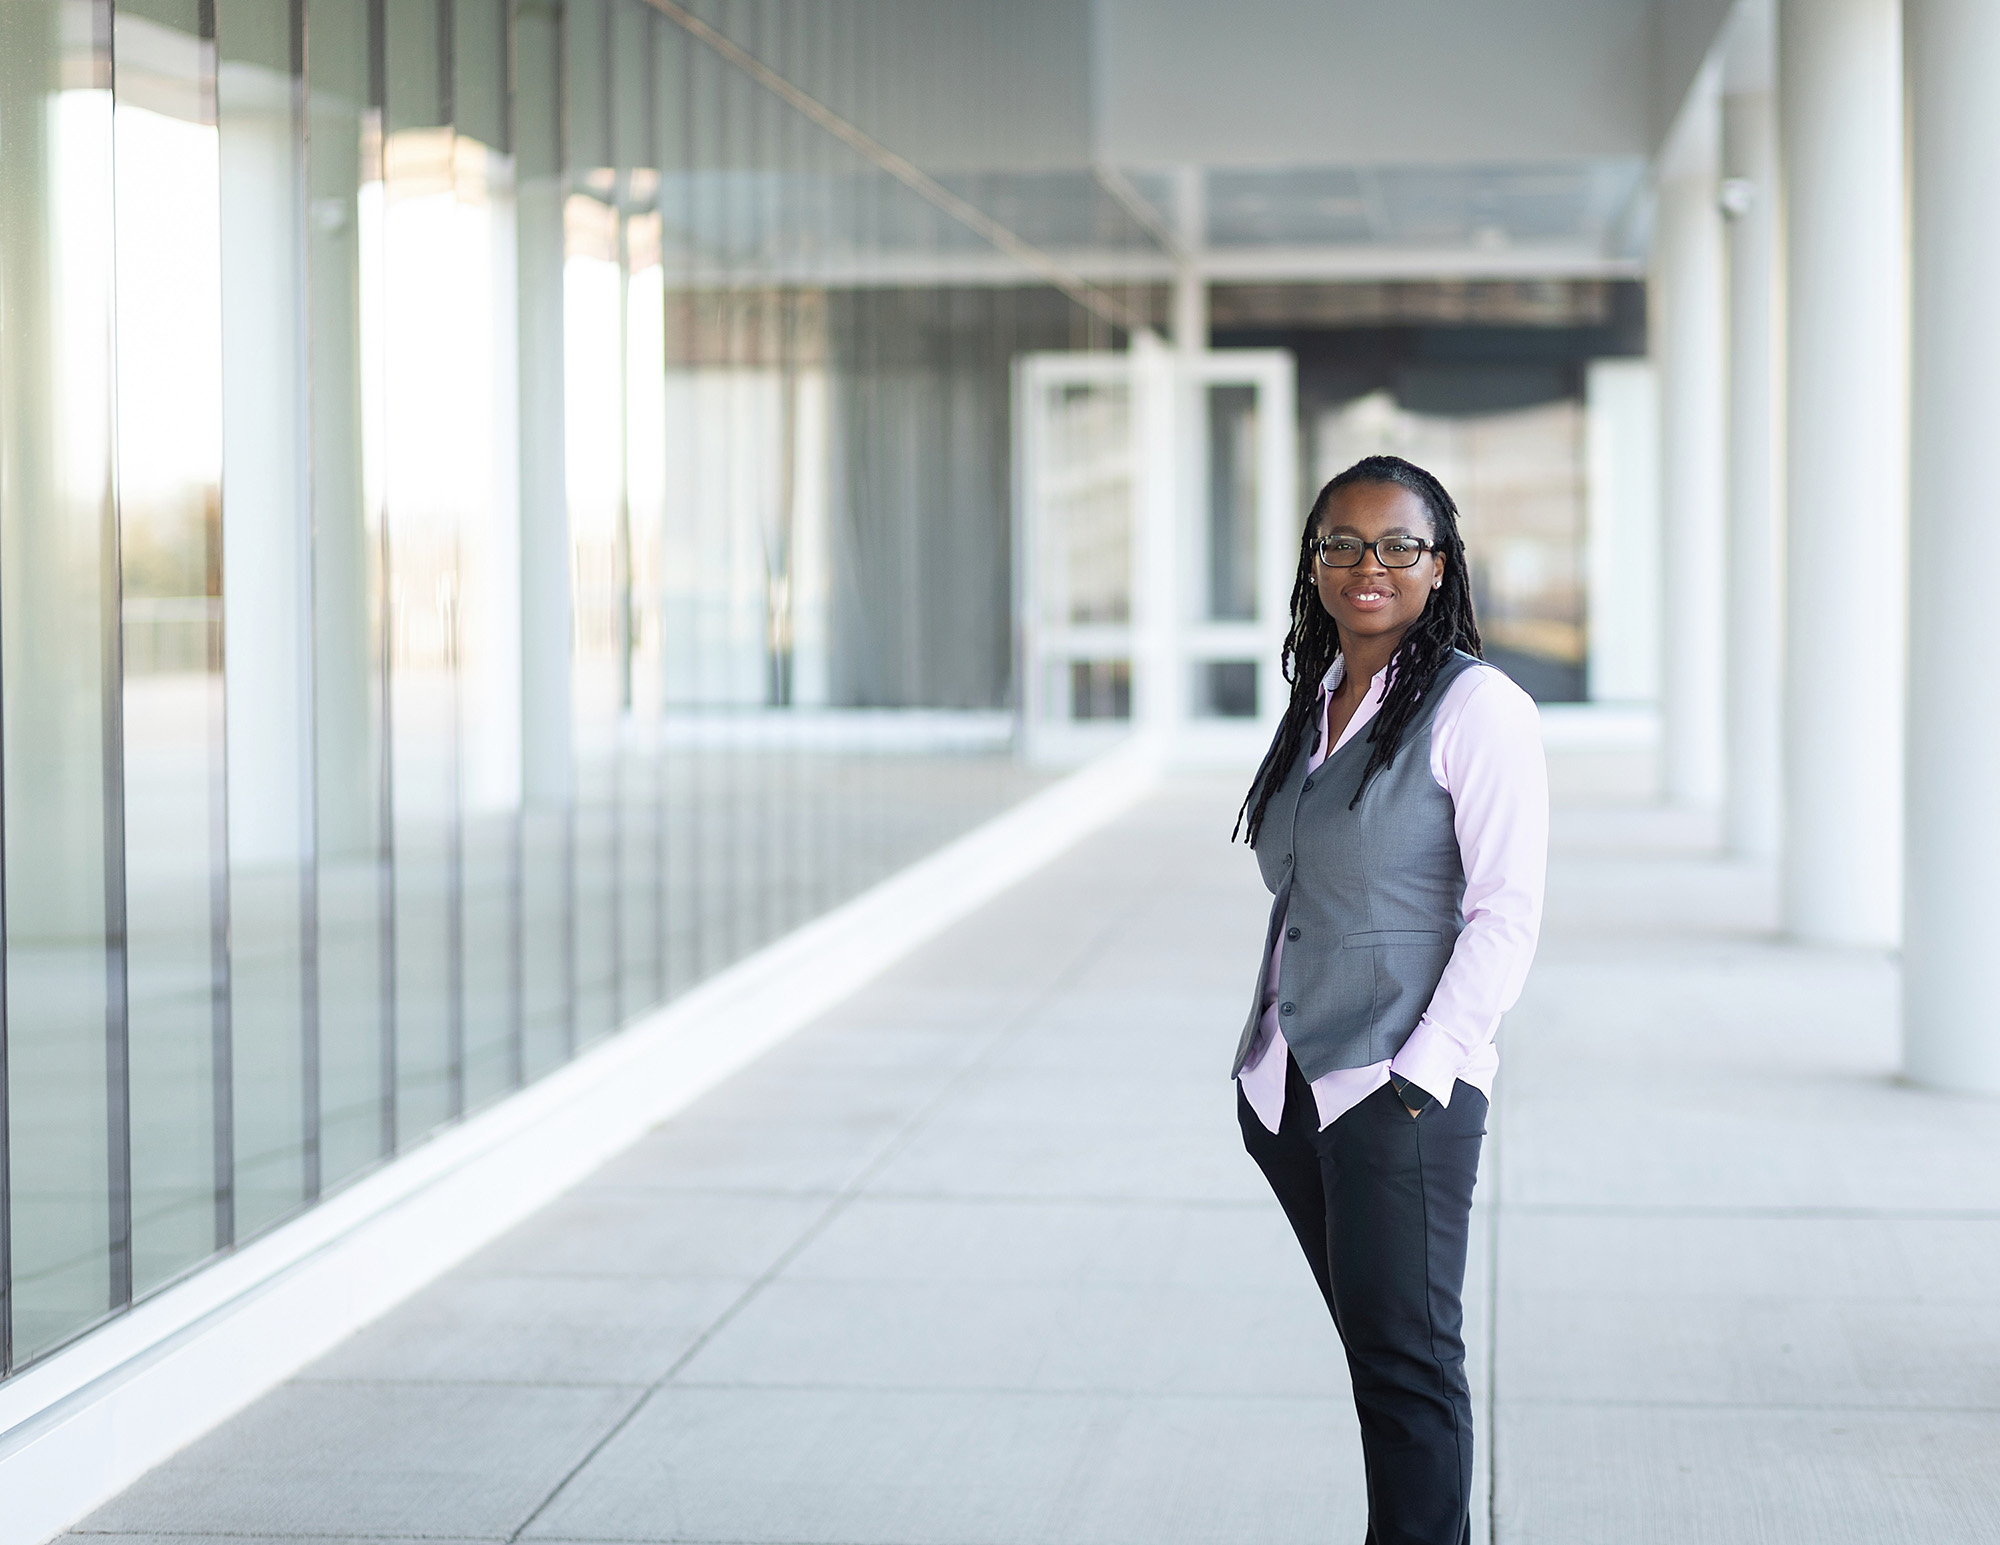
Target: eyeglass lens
[(1344, 552)]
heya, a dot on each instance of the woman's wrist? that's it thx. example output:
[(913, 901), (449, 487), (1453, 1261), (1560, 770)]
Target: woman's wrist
[(1413, 1096)]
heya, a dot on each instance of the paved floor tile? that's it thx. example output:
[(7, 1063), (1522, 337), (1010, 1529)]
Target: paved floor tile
[(372, 1459), (616, 1233), (898, 1468), (921, 1240), (470, 1328), (813, 1156), (969, 1335), (1668, 1475)]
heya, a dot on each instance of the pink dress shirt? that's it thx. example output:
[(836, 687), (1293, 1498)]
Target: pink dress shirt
[(1486, 753)]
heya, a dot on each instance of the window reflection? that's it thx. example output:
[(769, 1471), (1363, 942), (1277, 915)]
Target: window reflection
[(266, 538), (169, 460), (529, 586), (68, 1170)]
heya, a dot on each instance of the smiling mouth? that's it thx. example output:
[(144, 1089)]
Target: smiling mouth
[(1366, 597)]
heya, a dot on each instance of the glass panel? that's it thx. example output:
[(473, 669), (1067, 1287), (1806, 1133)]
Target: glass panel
[(343, 161), (642, 819), (593, 316), (1100, 689), (266, 541), (676, 588), (67, 1168), (423, 318), (641, 382), (544, 958), (1225, 689), (1232, 504), (169, 501), (488, 488), (1084, 572)]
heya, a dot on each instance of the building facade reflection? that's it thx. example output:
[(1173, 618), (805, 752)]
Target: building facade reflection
[(465, 573)]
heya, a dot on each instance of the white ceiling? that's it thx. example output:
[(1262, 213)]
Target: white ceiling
[(1278, 138)]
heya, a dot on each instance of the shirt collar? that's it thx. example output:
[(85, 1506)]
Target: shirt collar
[(1336, 673)]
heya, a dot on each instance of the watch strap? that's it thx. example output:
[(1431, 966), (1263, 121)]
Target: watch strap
[(1414, 1096)]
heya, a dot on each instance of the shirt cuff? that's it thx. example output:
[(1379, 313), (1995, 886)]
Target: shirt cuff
[(1430, 1059)]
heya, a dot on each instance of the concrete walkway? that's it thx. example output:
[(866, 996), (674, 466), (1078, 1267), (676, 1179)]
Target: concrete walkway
[(978, 1259)]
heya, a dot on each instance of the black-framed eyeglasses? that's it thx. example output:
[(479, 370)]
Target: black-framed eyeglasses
[(1392, 552)]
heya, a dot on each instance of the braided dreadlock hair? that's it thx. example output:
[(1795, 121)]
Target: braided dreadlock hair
[(1445, 624)]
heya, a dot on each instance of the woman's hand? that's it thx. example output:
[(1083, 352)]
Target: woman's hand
[(1406, 1091)]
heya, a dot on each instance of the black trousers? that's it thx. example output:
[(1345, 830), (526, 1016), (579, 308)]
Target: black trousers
[(1382, 1205)]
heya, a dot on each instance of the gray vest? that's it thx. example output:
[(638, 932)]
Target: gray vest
[(1368, 898)]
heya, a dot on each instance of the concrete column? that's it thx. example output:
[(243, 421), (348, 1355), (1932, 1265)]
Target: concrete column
[(1688, 345), (1752, 805), (1840, 130), (1951, 1020)]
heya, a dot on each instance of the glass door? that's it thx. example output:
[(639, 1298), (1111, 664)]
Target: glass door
[(1240, 525), (1157, 535)]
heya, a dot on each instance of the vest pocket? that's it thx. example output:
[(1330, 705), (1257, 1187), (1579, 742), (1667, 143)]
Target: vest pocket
[(1407, 963)]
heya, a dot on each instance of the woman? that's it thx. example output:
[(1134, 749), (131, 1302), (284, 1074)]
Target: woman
[(1400, 819)]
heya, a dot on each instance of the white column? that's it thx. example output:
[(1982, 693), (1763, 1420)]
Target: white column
[(547, 760), (1190, 322), (1159, 689), (1622, 434), (1688, 344), (1951, 1019), (1840, 130), (266, 529), (1753, 803)]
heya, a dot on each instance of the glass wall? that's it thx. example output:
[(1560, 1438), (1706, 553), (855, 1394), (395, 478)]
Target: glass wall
[(501, 515)]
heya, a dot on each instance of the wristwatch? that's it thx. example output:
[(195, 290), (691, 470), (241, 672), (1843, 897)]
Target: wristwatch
[(1413, 1096)]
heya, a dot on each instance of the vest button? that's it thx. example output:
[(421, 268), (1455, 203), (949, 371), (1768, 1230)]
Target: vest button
[(1285, 1008), (1308, 788), (1288, 858), (1291, 933)]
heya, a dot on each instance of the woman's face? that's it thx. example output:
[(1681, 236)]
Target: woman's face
[(1371, 600)]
